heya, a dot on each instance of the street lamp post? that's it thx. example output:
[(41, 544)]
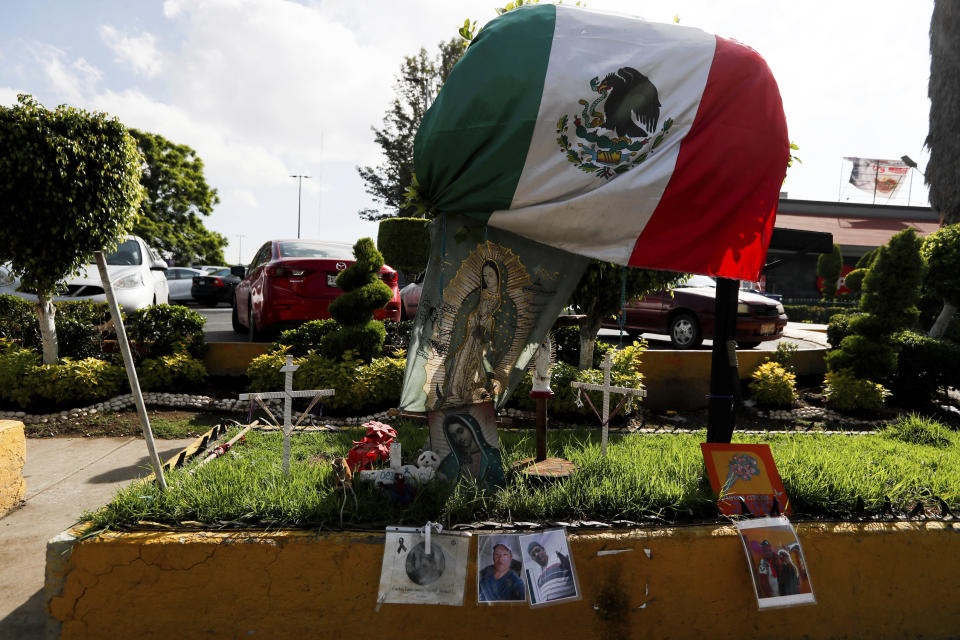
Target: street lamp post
[(299, 185), (240, 238)]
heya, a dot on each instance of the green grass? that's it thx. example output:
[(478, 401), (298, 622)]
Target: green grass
[(643, 477)]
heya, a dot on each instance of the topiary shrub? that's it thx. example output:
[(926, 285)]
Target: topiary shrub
[(773, 386), (854, 280), (915, 429), (405, 243), (844, 391), (923, 366), (363, 293), (829, 267), (164, 329), (305, 338), (868, 358), (176, 372), (839, 327)]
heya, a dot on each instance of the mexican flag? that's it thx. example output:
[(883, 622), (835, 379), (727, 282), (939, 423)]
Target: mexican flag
[(645, 144)]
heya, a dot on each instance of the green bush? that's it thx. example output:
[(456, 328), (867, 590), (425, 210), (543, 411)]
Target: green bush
[(359, 386), (829, 267), (177, 372), (773, 386), (75, 322), (305, 338), (844, 391), (18, 321), (566, 341), (363, 293), (397, 335), (625, 373), (923, 366), (76, 338), (784, 355), (854, 280), (165, 329), (15, 362), (76, 382), (815, 314), (915, 429), (405, 243), (839, 327), (867, 357)]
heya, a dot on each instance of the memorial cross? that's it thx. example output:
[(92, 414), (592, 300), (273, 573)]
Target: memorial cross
[(288, 394), (607, 389)]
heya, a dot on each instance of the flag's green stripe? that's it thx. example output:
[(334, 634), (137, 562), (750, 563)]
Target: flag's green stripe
[(472, 144)]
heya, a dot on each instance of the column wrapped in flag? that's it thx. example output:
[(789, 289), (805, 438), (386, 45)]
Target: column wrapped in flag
[(649, 145)]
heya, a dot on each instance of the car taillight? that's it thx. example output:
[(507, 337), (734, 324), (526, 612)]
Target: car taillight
[(389, 277), (280, 271), (217, 282)]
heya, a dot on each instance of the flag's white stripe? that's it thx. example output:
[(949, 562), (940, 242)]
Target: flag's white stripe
[(549, 204)]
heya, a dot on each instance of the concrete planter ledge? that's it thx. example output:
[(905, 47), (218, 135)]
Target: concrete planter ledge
[(13, 455), (890, 580)]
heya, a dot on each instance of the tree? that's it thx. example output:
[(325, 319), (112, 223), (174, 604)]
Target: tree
[(829, 267), (69, 186), (941, 251), (602, 291), (943, 171), (177, 195), (420, 79)]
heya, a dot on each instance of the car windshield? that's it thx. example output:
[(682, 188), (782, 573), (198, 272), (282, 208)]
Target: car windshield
[(220, 272), (699, 281), (303, 249), (127, 253)]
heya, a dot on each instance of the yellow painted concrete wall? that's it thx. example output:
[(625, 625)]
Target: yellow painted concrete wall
[(898, 580), (232, 358), (13, 455)]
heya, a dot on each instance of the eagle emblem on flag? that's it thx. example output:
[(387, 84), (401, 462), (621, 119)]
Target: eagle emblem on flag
[(613, 130)]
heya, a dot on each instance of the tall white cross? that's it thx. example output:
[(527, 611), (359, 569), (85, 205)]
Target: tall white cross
[(288, 394), (607, 389)]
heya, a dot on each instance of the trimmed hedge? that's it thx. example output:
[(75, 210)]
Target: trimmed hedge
[(405, 243), (75, 320), (923, 366), (166, 329)]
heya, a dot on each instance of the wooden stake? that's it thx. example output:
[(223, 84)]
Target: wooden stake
[(131, 370)]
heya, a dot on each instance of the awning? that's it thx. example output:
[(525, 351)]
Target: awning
[(860, 232)]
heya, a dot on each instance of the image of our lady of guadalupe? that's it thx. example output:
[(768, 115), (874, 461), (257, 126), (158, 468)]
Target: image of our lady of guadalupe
[(486, 330), (470, 454)]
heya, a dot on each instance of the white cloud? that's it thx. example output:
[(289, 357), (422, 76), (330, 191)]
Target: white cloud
[(72, 80), (139, 52)]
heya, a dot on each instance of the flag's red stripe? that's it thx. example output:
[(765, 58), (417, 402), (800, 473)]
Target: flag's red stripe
[(717, 212)]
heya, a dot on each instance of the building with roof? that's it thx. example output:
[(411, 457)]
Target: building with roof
[(857, 228)]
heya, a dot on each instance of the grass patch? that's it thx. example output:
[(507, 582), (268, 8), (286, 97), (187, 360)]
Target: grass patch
[(643, 477), (917, 429)]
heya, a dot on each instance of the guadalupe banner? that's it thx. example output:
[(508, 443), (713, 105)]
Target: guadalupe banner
[(489, 297), (882, 177), (644, 144)]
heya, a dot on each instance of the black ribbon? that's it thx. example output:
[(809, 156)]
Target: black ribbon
[(400, 546)]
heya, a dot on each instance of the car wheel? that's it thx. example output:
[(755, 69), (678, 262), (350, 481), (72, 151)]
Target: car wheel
[(685, 331), (210, 302), (748, 345), (235, 319)]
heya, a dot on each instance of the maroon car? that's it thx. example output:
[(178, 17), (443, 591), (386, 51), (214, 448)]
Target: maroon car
[(292, 281), (687, 315)]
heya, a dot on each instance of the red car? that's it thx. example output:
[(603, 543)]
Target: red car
[(292, 281), (687, 315)]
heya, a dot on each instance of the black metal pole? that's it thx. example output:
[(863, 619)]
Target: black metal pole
[(720, 407)]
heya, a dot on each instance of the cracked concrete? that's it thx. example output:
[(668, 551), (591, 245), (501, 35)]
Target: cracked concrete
[(64, 477)]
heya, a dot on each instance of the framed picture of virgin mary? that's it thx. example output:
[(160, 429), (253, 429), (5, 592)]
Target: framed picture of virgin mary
[(466, 441)]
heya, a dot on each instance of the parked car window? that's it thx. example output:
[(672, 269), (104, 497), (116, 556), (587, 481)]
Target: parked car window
[(220, 272), (126, 254), (295, 249), (699, 281), (262, 256)]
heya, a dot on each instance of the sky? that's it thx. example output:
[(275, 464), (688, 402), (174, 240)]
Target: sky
[(266, 89)]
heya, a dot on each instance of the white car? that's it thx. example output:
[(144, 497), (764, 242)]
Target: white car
[(136, 274), (180, 281)]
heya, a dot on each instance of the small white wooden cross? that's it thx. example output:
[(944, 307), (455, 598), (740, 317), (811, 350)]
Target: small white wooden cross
[(607, 389), (288, 394)]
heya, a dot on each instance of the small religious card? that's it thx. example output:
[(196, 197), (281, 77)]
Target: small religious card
[(500, 569), (746, 479), (411, 575), (548, 569), (777, 565), (466, 440)]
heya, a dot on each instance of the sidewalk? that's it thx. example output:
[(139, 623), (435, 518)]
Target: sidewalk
[(65, 477)]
